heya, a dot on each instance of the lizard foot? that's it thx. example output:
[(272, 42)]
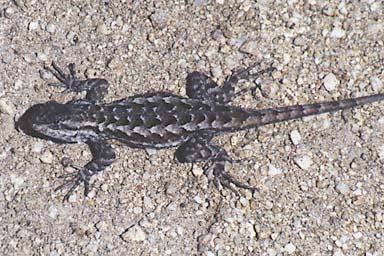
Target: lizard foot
[(73, 180), (221, 178), (68, 81)]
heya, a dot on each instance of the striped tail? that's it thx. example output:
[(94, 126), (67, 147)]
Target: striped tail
[(274, 115)]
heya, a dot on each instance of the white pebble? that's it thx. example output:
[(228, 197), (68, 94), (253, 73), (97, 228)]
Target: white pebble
[(286, 58), (337, 32), (171, 189), (151, 151), (376, 83), (357, 235), (295, 137), (18, 84), (197, 171), (290, 248), (304, 162), (137, 210), (33, 25), (357, 192), (72, 198), (375, 27), (272, 170), (380, 152), (17, 181), (103, 29), (250, 47), (42, 56), (6, 107), (198, 199), (330, 82), (50, 28), (37, 147), (148, 202), (46, 157), (53, 211), (342, 188), (217, 72), (134, 233), (271, 252)]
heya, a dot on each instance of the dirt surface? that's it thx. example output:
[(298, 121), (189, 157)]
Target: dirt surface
[(320, 179)]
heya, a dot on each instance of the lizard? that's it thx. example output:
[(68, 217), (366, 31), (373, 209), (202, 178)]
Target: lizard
[(159, 120)]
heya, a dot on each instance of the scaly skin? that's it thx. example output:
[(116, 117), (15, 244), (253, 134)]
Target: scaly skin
[(158, 120)]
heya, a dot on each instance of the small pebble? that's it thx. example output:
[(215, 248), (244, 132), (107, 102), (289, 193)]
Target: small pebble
[(33, 25), (337, 32), (171, 189), (300, 41), (380, 152), (342, 188), (357, 192), (231, 62), (304, 162), (134, 233), (198, 199), (217, 72), (46, 157), (18, 84), (250, 47), (376, 83), (38, 147), (159, 19), (357, 235), (272, 170), (295, 137), (17, 181), (72, 198), (271, 252), (197, 171), (148, 202), (375, 27), (6, 107), (8, 13), (286, 58), (330, 82), (137, 210), (151, 151), (53, 253), (103, 29), (290, 248), (53, 211), (51, 28), (42, 56), (244, 202)]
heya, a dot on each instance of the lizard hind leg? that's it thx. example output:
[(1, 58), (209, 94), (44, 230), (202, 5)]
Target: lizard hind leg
[(198, 149)]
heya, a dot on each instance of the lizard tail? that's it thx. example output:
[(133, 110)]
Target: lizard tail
[(273, 115)]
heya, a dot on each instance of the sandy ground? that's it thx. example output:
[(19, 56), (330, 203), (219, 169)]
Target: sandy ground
[(320, 179)]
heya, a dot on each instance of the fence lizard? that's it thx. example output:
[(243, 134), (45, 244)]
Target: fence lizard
[(158, 120)]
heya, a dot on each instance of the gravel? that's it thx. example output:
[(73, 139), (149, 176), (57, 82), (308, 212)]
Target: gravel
[(319, 180)]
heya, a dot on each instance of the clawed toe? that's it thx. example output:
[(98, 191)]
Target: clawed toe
[(68, 81), (223, 179), (73, 180)]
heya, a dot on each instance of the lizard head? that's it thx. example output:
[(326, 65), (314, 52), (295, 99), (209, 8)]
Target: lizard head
[(42, 120)]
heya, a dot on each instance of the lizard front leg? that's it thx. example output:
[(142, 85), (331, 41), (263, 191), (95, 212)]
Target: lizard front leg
[(102, 156), (96, 88), (199, 148)]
